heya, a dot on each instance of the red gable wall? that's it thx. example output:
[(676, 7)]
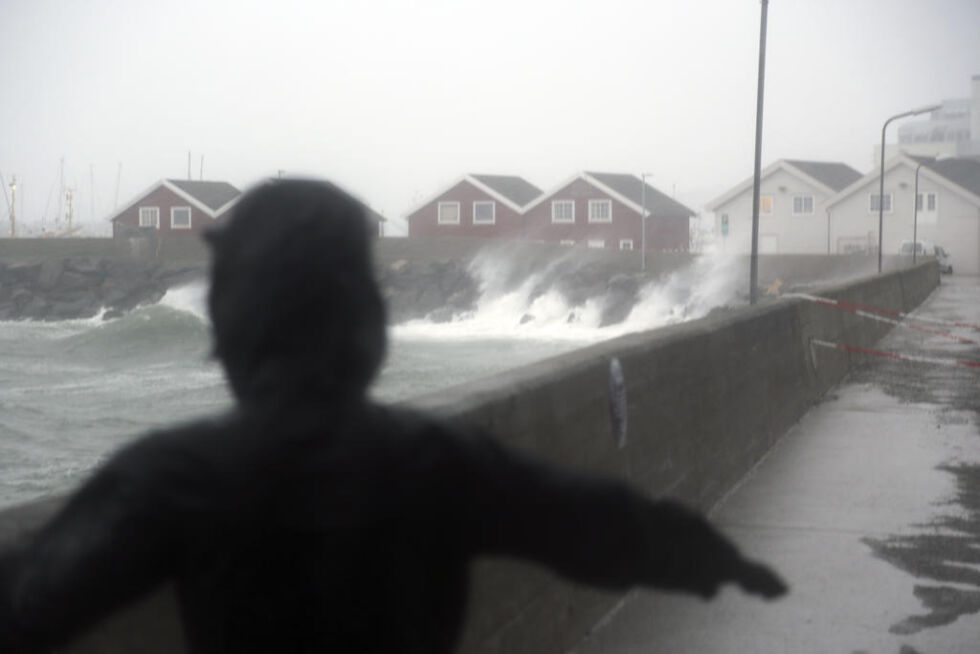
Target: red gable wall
[(164, 199), (424, 221)]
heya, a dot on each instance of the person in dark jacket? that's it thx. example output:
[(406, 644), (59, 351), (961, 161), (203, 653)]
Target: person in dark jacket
[(309, 518)]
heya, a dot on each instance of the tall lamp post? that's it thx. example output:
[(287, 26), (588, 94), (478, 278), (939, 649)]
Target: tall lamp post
[(915, 215), (754, 265), (881, 178), (643, 220)]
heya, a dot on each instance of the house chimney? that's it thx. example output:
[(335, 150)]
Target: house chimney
[(189, 178)]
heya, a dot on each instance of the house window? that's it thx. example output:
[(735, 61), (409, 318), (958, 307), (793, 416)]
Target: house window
[(926, 204), (600, 211), (484, 213), (724, 224), (449, 213), (625, 244), (765, 205), (597, 243), (562, 211), (873, 202), (802, 205), (150, 217), (180, 217), (566, 241)]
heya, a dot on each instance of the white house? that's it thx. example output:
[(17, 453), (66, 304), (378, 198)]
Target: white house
[(948, 209), (792, 208)]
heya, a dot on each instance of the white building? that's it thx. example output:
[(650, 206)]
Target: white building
[(948, 209), (792, 208), (953, 130)]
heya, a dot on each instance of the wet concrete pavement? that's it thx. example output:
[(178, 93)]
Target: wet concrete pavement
[(870, 508)]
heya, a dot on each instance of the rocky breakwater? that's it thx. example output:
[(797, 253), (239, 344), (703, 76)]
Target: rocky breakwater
[(82, 287), (441, 290)]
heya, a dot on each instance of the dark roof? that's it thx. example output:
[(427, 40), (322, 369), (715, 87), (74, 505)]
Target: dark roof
[(631, 187), (213, 195), (829, 173), (960, 171), (516, 189)]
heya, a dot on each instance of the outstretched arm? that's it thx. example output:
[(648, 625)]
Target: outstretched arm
[(100, 552), (598, 530)]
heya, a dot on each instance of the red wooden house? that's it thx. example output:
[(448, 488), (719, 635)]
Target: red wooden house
[(175, 208), (603, 210), (475, 206)]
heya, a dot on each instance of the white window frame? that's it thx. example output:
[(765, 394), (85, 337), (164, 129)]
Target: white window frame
[(190, 217), (873, 209), (562, 221), (597, 243), (772, 205), (493, 212), (566, 241), (625, 244), (439, 219), (803, 197), (598, 203), (155, 212)]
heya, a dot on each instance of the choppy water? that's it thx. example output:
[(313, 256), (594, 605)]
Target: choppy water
[(73, 391)]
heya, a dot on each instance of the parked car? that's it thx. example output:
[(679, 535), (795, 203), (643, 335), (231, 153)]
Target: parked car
[(929, 249)]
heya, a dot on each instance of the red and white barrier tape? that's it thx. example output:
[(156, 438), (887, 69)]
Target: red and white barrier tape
[(895, 355), (900, 319)]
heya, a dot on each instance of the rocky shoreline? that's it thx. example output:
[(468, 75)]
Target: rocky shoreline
[(82, 287)]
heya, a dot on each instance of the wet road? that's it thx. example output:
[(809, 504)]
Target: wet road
[(870, 507)]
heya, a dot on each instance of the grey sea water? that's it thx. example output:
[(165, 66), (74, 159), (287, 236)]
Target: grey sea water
[(72, 392)]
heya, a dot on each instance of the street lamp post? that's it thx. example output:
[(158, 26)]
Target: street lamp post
[(760, 92), (915, 215), (881, 178), (643, 220)]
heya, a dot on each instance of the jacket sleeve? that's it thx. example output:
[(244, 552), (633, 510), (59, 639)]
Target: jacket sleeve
[(594, 529), (107, 546)]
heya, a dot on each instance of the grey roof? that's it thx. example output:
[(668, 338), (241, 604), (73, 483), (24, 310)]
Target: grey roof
[(213, 195), (964, 172), (516, 189), (631, 187), (829, 173)]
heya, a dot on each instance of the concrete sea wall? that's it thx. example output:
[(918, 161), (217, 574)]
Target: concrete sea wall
[(707, 399)]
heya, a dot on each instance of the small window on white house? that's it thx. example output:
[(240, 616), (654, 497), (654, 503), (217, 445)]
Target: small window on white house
[(180, 217), (802, 205), (566, 241), (765, 205), (448, 213), (484, 213), (724, 224), (562, 211), (600, 211), (886, 205), (926, 205), (625, 244), (150, 217), (597, 243)]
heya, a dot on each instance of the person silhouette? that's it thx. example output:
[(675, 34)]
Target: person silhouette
[(310, 518)]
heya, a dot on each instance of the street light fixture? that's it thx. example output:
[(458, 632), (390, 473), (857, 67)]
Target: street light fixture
[(881, 178)]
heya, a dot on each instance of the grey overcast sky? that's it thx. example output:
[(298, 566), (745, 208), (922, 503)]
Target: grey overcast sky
[(395, 99)]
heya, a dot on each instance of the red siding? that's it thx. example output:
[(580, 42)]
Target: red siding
[(164, 199), (424, 221), (662, 233)]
